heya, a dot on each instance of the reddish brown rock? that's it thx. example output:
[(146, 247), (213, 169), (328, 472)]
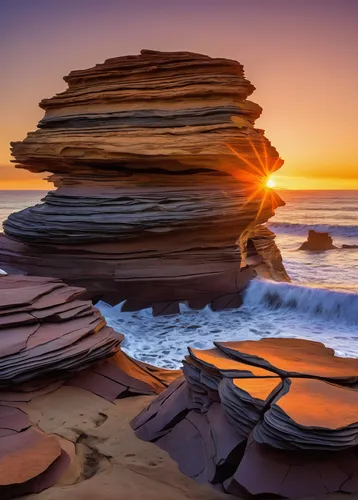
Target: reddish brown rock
[(46, 329), (311, 414), (30, 461), (261, 436), (50, 339), (48, 334), (160, 178), (293, 358), (291, 474)]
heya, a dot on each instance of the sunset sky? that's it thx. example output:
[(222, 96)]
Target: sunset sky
[(302, 56)]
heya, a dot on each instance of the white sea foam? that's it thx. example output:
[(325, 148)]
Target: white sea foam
[(269, 310), (316, 302)]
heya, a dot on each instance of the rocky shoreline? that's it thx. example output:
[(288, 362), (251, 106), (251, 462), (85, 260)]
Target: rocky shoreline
[(160, 199), (266, 407)]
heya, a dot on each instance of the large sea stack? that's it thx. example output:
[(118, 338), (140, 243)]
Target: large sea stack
[(160, 178)]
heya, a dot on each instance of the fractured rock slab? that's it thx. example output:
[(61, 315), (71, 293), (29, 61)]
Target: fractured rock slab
[(30, 461), (311, 415), (49, 335), (293, 357), (46, 329), (291, 433)]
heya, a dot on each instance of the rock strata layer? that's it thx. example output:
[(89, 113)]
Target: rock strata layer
[(50, 337), (47, 333), (269, 418), (160, 177)]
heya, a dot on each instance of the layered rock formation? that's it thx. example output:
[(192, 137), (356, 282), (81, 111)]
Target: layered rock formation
[(159, 173), (269, 418), (45, 329), (47, 333), (51, 338)]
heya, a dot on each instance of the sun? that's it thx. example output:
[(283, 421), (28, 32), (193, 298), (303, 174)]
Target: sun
[(270, 183)]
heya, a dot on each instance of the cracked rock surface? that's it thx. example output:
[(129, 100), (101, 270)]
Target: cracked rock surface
[(56, 351), (274, 417)]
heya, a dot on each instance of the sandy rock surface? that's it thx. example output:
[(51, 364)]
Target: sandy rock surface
[(107, 461)]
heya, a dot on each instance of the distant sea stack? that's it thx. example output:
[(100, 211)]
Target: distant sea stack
[(318, 242), (160, 178)]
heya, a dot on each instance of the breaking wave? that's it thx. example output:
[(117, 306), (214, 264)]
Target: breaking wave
[(317, 302)]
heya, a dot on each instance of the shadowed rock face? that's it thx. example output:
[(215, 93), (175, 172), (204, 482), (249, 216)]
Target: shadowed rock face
[(318, 242), (48, 334), (50, 337), (160, 183), (275, 418)]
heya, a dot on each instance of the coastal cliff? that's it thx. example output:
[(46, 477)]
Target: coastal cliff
[(160, 177)]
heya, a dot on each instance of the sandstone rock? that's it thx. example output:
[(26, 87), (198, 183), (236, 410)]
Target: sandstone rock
[(159, 172), (45, 329), (254, 433), (30, 461), (292, 475), (122, 376), (311, 415), (217, 360), (318, 242), (50, 337), (47, 334), (116, 465), (293, 358)]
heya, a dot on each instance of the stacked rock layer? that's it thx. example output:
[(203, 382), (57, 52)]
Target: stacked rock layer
[(275, 418), (50, 337), (160, 178), (47, 333)]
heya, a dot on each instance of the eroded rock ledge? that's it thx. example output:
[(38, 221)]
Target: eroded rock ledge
[(278, 416), (52, 340), (275, 418), (160, 178)]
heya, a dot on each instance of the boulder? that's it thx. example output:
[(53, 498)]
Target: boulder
[(160, 177), (30, 461), (261, 419), (318, 242)]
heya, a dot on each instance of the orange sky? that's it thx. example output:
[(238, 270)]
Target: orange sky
[(301, 56)]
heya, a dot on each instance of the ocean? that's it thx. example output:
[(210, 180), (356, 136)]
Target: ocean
[(321, 303)]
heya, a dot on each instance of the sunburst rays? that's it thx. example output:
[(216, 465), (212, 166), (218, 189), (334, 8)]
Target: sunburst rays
[(257, 180)]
